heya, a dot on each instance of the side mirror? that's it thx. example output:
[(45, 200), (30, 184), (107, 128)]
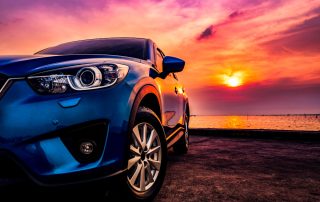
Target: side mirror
[(172, 64)]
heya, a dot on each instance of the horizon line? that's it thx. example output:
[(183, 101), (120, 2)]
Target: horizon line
[(313, 114)]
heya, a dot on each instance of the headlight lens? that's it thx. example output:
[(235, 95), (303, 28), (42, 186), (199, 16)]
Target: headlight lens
[(79, 78), (87, 77)]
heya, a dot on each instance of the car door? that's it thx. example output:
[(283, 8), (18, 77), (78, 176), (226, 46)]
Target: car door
[(172, 100), (179, 90)]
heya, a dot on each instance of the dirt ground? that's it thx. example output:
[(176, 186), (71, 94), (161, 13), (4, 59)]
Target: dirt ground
[(242, 169), (225, 169)]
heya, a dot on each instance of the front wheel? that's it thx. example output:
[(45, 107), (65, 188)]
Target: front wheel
[(147, 156)]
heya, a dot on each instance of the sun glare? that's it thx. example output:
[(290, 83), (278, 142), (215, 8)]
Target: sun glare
[(233, 80)]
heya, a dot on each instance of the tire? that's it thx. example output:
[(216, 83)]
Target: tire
[(182, 145), (147, 159)]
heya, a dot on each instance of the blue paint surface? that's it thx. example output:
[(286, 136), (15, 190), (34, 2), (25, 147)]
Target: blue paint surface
[(31, 122), (70, 102)]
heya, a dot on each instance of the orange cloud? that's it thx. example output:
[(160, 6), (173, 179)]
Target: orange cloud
[(264, 41)]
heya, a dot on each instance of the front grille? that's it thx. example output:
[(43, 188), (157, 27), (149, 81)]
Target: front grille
[(3, 80)]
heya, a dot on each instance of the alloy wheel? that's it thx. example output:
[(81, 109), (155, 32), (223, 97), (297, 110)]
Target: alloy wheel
[(145, 157), (186, 132)]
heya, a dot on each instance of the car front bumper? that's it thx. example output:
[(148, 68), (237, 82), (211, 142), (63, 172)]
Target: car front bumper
[(36, 132)]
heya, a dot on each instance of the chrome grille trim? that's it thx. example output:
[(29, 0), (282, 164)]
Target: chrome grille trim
[(3, 82), (7, 82)]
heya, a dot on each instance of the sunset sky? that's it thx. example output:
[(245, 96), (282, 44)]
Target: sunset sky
[(243, 56)]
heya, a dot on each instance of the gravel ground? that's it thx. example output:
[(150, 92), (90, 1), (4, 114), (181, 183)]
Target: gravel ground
[(225, 169), (243, 169)]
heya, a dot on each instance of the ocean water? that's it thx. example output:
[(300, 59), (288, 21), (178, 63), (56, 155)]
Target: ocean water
[(279, 122)]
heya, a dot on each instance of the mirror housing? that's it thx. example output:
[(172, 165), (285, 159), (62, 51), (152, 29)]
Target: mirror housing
[(172, 64)]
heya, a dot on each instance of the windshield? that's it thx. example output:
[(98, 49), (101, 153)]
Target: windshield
[(129, 47)]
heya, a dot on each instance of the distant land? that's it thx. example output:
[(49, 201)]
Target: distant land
[(302, 122), (259, 115)]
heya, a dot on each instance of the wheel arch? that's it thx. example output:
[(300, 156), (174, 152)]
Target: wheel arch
[(143, 96), (149, 97), (151, 101)]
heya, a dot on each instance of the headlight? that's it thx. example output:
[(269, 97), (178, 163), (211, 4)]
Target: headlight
[(78, 78)]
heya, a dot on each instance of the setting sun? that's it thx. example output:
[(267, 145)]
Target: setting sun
[(233, 82), (234, 79)]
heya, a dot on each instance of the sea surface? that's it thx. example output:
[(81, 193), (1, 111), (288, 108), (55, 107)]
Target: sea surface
[(278, 122)]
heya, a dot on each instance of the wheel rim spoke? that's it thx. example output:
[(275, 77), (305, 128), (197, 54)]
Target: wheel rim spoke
[(136, 136), (144, 136), (145, 157), (133, 161), (151, 138), (155, 164), (136, 173), (150, 176), (142, 178), (135, 151), (154, 150)]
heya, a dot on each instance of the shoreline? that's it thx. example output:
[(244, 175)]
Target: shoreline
[(257, 133)]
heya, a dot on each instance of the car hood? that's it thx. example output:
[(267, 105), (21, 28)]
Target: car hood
[(24, 65)]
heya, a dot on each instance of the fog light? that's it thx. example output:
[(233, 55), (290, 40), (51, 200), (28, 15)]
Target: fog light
[(87, 147)]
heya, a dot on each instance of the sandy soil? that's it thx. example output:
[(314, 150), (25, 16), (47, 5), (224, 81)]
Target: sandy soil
[(235, 169)]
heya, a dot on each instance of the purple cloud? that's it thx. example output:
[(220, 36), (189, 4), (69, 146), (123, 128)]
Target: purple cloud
[(243, 4), (235, 14), (189, 3), (207, 33), (303, 37), (71, 7), (284, 96)]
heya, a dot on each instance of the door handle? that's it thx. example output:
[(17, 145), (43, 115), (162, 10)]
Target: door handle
[(176, 90)]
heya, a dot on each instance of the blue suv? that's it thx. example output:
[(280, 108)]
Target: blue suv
[(91, 110)]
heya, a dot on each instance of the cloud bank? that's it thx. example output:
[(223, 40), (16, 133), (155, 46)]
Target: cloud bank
[(269, 41)]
